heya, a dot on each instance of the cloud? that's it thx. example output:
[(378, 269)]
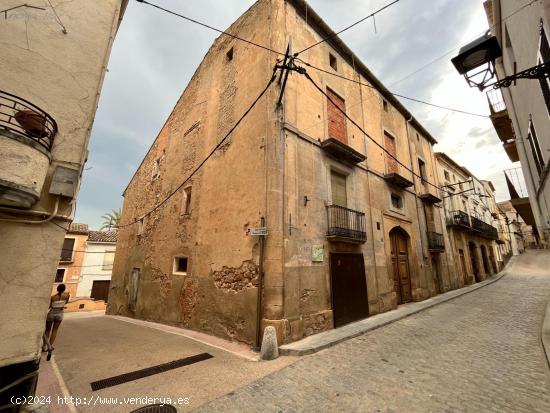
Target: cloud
[(156, 54)]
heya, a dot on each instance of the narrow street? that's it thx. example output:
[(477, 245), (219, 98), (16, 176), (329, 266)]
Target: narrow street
[(480, 352)]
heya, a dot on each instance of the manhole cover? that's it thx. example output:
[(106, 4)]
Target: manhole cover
[(156, 408)]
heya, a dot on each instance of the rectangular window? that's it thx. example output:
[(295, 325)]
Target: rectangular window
[(67, 250), (385, 106), (186, 201), (332, 61), (535, 148), (155, 173), (336, 107), (391, 153), (422, 170), (59, 275), (396, 201), (180, 265), (108, 259), (140, 226), (229, 55), (338, 188), (447, 175)]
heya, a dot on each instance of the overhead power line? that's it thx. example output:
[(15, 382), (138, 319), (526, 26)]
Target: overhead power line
[(458, 47), (394, 94), (304, 72), (348, 27), (210, 27), (220, 143)]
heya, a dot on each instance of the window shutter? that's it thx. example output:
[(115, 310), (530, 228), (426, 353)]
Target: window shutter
[(339, 193)]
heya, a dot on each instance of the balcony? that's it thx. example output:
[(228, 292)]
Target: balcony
[(499, 116), (345, 225), (342, 152), (396, 179), (428, 197), (483, 229), (26, 139), (458, 219), (436, 242), (511, 150)]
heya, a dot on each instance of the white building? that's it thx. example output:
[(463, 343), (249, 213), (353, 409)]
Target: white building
[(98, 265)]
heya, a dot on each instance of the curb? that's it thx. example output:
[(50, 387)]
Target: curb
[(545, 334), (326, 339)]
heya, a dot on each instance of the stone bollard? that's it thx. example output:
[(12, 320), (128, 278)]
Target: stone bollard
[(269, 350)]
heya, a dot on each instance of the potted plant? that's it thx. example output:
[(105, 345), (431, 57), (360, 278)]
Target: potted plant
[(32, 122)]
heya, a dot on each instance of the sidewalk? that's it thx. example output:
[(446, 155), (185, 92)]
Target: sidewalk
[(326, 339)]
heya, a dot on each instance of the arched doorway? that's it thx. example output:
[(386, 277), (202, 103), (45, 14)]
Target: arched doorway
[(485, 259), (399, 244), (473, 257)]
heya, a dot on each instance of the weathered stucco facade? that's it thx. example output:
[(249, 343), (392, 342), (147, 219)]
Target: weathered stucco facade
[(52, 75), (335, 204)]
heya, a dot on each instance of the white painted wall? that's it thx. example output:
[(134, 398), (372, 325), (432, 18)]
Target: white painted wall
[(93, 267)]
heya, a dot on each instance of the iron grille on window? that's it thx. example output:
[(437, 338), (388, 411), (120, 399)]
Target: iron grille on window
[(346, 223), (435, 241)]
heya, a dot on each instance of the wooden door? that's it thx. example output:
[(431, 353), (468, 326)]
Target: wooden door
[(391, 163), (436, 275), (100, 290), (473, 258), (400, 265), (336, 119), (463, 266), (348, 288)]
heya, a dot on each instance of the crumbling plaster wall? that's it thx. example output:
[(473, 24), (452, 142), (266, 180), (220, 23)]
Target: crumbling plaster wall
[(218, 293), (62, 74)]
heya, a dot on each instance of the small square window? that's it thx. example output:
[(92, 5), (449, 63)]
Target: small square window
[(180, 265), (229, 55), (396, 201), (385, 105), (59, 275), (333, 61)]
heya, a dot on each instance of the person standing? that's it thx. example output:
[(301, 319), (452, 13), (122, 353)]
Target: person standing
[(55, 315)]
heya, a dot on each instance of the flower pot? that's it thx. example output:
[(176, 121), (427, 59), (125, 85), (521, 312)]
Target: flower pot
[(32, 122)]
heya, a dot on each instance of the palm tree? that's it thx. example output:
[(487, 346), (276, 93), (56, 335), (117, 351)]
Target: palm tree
[(111, 219)]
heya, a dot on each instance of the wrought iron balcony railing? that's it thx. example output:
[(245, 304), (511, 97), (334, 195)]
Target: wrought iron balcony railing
[(458, 219), (484, 229), (436, 241), (345, 224), (22, 118)]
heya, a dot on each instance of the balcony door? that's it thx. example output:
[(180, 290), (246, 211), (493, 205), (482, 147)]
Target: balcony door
[(399, 241)]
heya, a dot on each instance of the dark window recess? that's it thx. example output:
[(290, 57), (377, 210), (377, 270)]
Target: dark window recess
[(422, 169), (447, 176), (59, 275), (535, 148), (181, 264), (385, 105), (396, 201), (80, 306), (229, 55), (67, 250), (333, 61)]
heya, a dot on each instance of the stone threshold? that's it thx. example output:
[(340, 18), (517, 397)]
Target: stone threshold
[(326, 339)]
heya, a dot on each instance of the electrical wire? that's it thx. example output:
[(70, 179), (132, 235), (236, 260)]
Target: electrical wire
[(394, 94), (456, 48), (220, 143), (210, 27), (368, 136), (348, 27)]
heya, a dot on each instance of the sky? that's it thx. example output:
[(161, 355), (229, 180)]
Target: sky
[(155, 54)]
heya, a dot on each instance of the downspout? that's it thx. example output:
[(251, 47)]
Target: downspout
[(416, 200)]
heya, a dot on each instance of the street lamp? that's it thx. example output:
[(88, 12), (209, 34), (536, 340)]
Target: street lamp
[(479, 54)]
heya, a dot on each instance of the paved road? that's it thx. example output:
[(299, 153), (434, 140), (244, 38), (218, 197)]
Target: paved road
[(480, 352)]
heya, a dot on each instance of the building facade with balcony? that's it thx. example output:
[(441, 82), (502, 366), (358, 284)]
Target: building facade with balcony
[(52, 72), (471, 218), (72, 259), (521, 114), (354, 223)]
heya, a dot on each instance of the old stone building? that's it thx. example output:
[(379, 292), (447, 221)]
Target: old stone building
[(354, 219), (472, 219), (54, 57)]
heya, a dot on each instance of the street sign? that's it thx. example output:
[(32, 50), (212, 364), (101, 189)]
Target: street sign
[(258, 231)]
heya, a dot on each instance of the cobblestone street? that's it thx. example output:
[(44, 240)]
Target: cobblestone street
[(480, 352)]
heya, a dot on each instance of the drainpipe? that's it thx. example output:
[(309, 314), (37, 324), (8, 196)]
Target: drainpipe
[(260, 289), (416, 200)]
